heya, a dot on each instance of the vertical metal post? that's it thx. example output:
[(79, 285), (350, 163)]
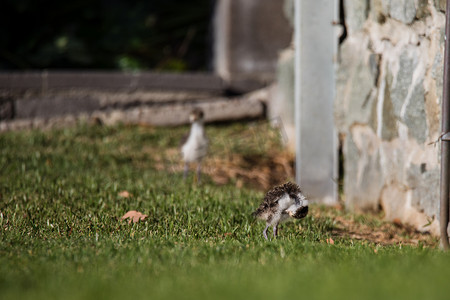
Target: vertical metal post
[(445, 143), (297, 92)]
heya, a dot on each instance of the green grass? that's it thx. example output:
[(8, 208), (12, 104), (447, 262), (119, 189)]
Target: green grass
[(62, 238)]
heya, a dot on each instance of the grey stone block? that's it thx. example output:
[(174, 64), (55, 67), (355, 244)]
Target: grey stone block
[(425, 195), (408, 106), (403, 10), (415, 116), (363, 174), (389, 130), (400, 82), (356, 82), (437, 70), (356, 13), (440, 4)]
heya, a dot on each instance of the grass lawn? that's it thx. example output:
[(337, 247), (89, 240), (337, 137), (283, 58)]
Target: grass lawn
[(62, 237)]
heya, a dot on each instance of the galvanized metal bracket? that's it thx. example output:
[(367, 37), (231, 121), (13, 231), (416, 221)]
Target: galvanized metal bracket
[(446, 137)]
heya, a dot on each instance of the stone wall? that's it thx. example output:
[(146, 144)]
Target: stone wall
[(387, 109)]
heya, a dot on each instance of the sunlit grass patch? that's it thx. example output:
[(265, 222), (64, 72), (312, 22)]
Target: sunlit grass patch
[(61, 234)]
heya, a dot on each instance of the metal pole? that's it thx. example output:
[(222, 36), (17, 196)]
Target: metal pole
[(297, 89), (445, 143)]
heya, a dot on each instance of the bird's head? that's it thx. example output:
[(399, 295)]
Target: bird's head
[(299, 213), (196, 114), (300, 208)]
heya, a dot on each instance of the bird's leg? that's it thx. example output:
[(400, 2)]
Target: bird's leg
[(275, 230), (186, 170), (199, 170), (265, 232)]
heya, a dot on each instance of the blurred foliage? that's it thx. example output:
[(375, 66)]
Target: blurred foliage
[(105, 34)]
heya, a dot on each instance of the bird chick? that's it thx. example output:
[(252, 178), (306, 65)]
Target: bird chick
[(195, 144), (281, 203)]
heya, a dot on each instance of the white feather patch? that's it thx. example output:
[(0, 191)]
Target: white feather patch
[(196, 145)]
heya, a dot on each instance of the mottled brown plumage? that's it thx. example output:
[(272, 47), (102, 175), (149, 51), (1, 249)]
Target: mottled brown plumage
[(270, 201), (280, 203)]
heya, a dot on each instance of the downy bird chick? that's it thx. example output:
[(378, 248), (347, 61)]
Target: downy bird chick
[(281, 203), (195, 145)]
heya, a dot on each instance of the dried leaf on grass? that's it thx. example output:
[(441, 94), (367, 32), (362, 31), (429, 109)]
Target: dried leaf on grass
[(134, 216), (397, 222)]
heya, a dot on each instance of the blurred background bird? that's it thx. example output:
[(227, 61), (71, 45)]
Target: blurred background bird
[(281, 203), (195, 144)]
